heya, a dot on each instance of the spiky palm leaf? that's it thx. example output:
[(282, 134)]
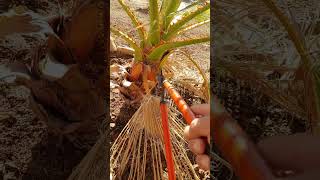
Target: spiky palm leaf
[(164, 29)]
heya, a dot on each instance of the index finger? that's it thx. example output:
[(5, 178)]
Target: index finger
[(199, 127), (201, 109)]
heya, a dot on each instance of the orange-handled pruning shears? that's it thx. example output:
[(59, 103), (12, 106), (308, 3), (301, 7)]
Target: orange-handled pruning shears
[(166, 132), (187, 114), (183, 107)]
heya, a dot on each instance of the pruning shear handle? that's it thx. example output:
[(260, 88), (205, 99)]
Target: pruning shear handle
[(166, 131), (183, 107)]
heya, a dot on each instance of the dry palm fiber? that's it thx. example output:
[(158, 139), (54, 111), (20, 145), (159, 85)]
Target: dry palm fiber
[(140, 146), (94, 165), (190, 78)]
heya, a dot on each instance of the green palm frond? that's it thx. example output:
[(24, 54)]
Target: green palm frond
[(154, 31), (192, 26), (137, 24), (157, 53), (137, 50), (185, 18), (168, 11)]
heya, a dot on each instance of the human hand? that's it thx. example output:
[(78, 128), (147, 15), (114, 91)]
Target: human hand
[(194, 133), (298, 153)]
